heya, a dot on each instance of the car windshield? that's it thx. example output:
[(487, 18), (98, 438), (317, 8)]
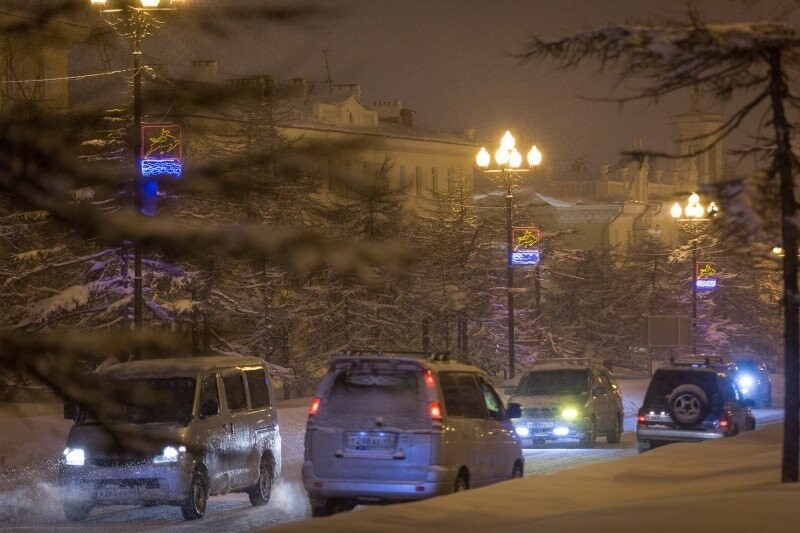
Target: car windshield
[(153, 400), (748, 365), (553, 383)]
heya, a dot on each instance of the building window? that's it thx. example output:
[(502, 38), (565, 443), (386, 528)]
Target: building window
[(434, 180), (418, 180)]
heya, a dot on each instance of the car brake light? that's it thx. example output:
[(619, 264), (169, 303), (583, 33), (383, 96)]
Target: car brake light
[(435, 410), (723, 422), (429, 379), (641, 419), (314, 407)]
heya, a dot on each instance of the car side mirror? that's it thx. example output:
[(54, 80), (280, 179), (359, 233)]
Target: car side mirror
[(514, 410), (209, 408)]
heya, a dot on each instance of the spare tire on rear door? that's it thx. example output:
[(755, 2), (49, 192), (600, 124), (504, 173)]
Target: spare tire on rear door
[(688, 405)]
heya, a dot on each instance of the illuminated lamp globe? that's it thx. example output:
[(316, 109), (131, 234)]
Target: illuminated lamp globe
[(507, 142), (712, 209), (534, 157), (483, 158), (150, 3), (514, 159), (694, 199), (98, 2), (676, 210), (501, 157)]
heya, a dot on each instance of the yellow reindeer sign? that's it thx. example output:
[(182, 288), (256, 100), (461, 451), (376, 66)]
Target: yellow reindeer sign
[(706, 276)]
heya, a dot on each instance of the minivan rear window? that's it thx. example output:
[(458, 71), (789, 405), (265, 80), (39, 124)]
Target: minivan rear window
[(364, 398)]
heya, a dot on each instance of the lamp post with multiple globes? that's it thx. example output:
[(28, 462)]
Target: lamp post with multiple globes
[(508, 163), (692, 214), (135, 19)]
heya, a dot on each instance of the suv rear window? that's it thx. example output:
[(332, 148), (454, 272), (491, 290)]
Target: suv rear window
[(666, 380), (359, 398)]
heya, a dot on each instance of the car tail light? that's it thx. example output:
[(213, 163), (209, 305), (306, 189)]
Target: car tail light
[(641, 417), (435, 409), (314, 407), (723, 422), (429, 379)]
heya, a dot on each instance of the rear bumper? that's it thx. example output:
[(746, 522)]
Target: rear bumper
[(676, 435), (131, 485), (440, 480)]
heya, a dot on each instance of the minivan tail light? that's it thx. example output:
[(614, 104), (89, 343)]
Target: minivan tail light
[(435, 410), (641, 416), (429, 379), (314, 407), (723, 422)]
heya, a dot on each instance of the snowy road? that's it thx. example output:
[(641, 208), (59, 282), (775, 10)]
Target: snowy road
[(28, 499)]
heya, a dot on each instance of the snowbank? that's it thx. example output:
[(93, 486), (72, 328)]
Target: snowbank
[(724, 485)]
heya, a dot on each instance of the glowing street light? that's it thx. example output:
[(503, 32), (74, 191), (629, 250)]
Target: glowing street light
[(508, 164), (692, 213), (135, 20)]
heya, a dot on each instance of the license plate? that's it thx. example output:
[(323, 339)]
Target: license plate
[(370, 440), (658, 418), (541, 424)]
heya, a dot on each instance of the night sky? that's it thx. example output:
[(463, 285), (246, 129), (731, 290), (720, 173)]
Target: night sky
[(446, 59)]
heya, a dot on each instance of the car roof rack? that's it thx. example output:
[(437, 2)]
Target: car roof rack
[(435, 356), (710, 361), (578, 361)]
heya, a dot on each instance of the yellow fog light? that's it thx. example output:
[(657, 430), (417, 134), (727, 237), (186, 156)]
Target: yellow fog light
[(570, 413)]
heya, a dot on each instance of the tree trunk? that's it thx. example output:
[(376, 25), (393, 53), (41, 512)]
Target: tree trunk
[(783, 166)]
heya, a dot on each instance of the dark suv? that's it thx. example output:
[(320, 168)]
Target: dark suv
[(691, 401)]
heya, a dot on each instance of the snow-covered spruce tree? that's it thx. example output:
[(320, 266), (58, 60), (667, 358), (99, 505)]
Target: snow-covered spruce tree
[(444, 299), (725, 60), (39, 167)]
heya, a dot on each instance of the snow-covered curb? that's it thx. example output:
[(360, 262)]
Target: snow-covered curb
[(725, 485)]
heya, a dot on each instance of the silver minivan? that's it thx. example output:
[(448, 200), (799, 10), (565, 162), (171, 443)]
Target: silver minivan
[(181, 429), (387, 428)]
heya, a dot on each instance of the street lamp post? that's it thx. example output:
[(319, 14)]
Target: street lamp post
[(693, 213), (135, 20), (508, 162)]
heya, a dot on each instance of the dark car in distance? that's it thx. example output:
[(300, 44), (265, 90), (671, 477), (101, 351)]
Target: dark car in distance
[(692, 401), (753, 380)]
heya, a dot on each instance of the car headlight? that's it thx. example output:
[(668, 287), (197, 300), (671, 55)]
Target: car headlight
[(522, 431), (569, 413), (746, 381), (74, 457), (170, 454)]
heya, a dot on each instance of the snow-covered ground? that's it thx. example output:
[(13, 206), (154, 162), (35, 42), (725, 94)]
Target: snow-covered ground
[(32, 437), (723, 485)]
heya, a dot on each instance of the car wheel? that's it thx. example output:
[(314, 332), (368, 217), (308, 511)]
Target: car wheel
[(260, 492), (517, 471), (615, 435), (331, 506), (195, 505), (462, 482), (688, 405), (320, 510), (642, 445), (77, 503), (589, 433)]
